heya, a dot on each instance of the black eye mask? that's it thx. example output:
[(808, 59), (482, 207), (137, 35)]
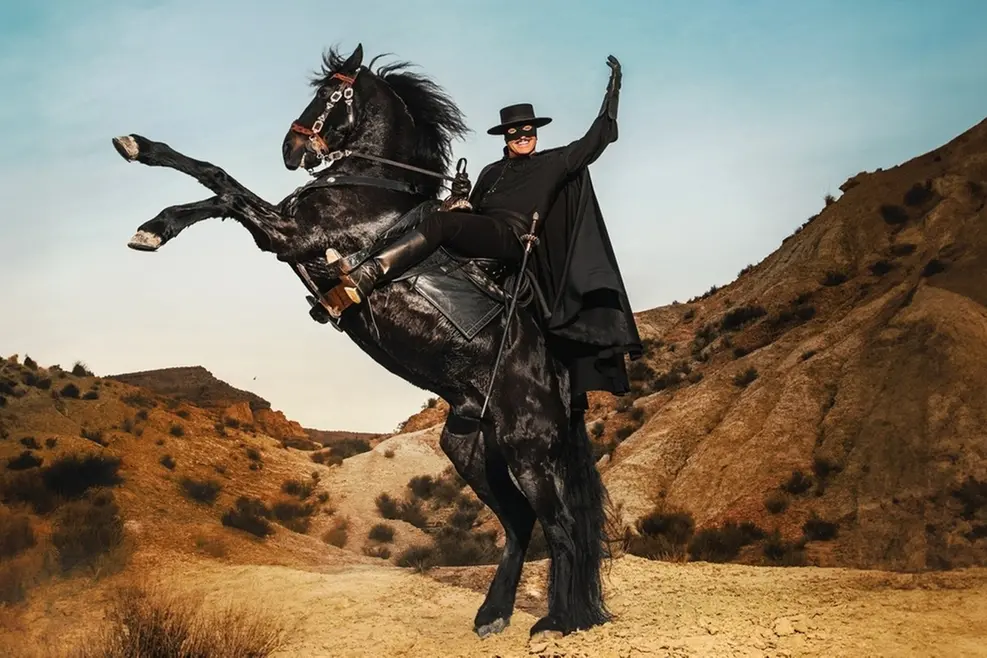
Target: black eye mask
[(520, 131)]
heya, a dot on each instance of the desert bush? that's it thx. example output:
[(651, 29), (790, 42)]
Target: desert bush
[(972, 495), (623, 433), (388, 507), (127, 425), (377, 551), (338, 534), (16, 533), (86, 530), (808, 354), (253, 454), (780, 552), (723, 544), (24, 461), (389, 453), (212, 546), (293, 514), (176, 430), (326, 458), (411, 511), (146, 622), (902, 249), (623, 404), (662, 535), (816, 529), (69, 391), (183, 414), (833, 278), (71, 476), (201, 491), (639, 371), (250, 515), (168, 462), (381, 532), (893, 215), (81, 370), (456, 547), (745, 378), (422, 486), (31, 443), (933, 267), (880, 268), (797, 484), (919, 194), (51, 442), (637, 414), (776, 502), (419, 558), (741, 316), (596, 429), (91, 395), (823, 467), (348, 447), (298, 488)]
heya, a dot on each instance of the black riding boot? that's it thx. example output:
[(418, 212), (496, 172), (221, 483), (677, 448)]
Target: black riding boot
[(355, 285)]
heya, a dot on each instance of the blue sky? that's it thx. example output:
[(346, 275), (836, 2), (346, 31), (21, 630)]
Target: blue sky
[(736, 119)]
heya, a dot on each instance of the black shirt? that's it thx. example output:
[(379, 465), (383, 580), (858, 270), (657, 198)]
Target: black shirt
[(524, 184)]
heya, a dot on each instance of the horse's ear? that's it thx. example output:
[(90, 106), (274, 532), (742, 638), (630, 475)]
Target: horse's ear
[(355, 60)]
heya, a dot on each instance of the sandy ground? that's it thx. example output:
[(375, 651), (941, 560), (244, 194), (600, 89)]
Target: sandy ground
[(662, 609)]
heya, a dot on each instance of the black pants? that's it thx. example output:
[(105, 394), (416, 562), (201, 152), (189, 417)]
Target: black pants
[(472, 235)]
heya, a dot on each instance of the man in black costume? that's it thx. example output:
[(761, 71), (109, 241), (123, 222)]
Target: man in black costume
[(583, 300)]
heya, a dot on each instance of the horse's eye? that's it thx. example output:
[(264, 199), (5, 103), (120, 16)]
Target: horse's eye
[(323, 92)]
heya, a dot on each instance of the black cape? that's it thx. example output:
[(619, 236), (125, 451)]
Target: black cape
[(584, 302)]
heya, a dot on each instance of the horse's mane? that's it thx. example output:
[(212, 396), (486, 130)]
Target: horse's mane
[(438, 120)]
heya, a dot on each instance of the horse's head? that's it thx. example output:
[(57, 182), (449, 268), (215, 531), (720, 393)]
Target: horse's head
[(331, 118)]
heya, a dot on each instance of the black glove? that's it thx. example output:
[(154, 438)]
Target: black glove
[(461, 186), (613, 87)]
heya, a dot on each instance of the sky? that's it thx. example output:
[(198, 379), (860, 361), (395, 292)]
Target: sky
[(736, 119)]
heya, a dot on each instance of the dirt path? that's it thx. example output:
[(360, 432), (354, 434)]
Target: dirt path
[(662, 610)]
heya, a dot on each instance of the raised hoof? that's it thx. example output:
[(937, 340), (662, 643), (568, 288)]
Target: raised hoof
[(494, 627), (144, 241), (548, 628), (127, 147)]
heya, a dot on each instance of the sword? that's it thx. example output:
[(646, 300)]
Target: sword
[(510, 313)]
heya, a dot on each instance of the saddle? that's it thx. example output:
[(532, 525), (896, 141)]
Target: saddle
[(469, 292)]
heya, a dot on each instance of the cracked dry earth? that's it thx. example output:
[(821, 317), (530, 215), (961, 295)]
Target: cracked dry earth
[(662, 610)]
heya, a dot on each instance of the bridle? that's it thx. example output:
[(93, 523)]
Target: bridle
[(321, 149)]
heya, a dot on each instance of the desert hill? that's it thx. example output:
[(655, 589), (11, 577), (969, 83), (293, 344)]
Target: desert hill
[(194, 384)]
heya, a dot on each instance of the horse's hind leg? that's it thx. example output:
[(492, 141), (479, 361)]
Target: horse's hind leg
[(552, 459), (486, 472)]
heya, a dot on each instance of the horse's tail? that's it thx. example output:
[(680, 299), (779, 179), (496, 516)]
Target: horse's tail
[(585, 499)]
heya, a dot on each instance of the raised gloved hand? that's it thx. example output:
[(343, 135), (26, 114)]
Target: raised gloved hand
[(461, 186), (615, 74), (613, 87)]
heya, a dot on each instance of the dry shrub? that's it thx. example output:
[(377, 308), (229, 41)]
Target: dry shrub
[(411, 511), (388, 507), (662, 535), (147, 622), (419, 558), (349, 447), (723, 544), (382, 552), (382, 533), (338, 534), (293, 514), (88, 531), (326, 458), (250, 515), (202, 491), (422, 486), (298, 488), (783, 553), (456, 547)]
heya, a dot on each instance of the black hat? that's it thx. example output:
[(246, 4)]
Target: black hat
[(516, 115)]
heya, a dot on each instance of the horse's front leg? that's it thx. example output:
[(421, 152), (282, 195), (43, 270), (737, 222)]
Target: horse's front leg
[(270, 229), (171, 221)]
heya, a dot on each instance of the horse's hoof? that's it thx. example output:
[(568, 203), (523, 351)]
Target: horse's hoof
[(127, 147), (494, 627), (548, 628), (144, 241)]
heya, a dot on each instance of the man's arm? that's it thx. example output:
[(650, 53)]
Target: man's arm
[(585, 150)]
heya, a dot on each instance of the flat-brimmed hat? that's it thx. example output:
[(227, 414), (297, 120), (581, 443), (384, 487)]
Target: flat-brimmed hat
[(518, 115)]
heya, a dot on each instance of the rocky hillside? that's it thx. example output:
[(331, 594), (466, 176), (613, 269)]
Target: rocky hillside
[(194, 384)]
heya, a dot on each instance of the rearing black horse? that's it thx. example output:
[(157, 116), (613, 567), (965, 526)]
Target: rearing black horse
[(530, 458)]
